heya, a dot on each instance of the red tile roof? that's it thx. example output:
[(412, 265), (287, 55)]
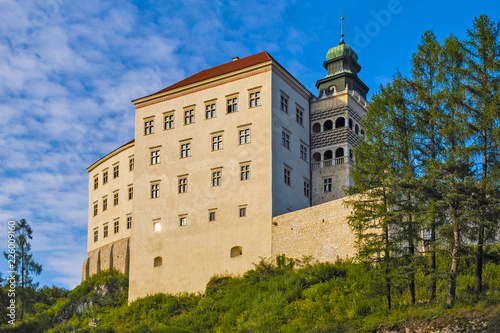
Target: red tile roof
[(220, 70)]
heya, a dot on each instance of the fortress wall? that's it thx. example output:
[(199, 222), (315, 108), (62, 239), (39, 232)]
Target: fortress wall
[(320, 231), (114, 255)]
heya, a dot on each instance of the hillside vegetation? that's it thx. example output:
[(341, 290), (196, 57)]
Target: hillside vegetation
[(283, 296)]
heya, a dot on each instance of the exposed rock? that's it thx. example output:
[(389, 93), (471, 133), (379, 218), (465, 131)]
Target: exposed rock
[(101, 289), (94, 322)]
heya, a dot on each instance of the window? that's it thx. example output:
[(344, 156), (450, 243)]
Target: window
[(244, 136), (116, 226), (130, 192), (254, 99), (116, 171), (182, 221), (284, 103), (243, 211), (211, 215), (155, 157), (157, 262), (303, 152), (95, 208), (96, 182), (129, 222), (131, 164), (156, 226), (104, 204), (299, 116), (106, 231), (245, 172), (327, 185), (168, 120), (104, 177), (96, 235), (285, 140), (210, 110), (307, 188), (155, 191), (185, 150), (216, 177), (232, 104), (115, 198), (216, 142), (286, 173), (183, 182), (236, 251), (148, 127), (188, 116)]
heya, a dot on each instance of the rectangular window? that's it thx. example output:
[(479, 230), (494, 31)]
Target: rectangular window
[(116, 226), (299, 116), (155, 157), (254, 99), (129, 222), (210, 110), (131, 164), (327, 185), (188, 116), (168, 120), (104, 204), (96, 182), (155, 191), (243, 211), (307, 188), (96, 235), (216, 177), (285, 140), (185, 150), (216, 142), (104, 177), (232, 104), (116, 171), (148, 127), (115, 198), (286, 173), (284, 103), (95, 208), (244, 171), (182, 221), (105, 231), (130, 192), (244, 136), (183, 183), (303, 152), (211, 216)]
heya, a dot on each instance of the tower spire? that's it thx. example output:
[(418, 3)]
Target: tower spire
[(342, 29)]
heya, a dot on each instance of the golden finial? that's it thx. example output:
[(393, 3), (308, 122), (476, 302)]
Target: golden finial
[(342, 29)]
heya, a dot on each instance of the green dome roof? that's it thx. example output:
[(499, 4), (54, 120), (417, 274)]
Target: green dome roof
[(340, 50)]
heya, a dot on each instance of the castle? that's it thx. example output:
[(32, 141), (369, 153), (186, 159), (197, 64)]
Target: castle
[(237, 162)]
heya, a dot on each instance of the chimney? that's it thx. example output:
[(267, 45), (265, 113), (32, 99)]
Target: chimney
[(236, 58)]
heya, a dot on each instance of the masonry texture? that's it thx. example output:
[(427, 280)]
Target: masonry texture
[(115, 255), (320, 231)]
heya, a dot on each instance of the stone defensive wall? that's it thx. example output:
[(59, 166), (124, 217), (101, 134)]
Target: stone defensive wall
[(114, 255), (319, 231)]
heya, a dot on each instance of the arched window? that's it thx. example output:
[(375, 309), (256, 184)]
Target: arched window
[(340, 122), (327, 125), (158, 262), (356, 129), (350, 154), (236, 251), (316, 128), (316, 157), (328, 155), (350, 123), (362, 132), (339, 152)]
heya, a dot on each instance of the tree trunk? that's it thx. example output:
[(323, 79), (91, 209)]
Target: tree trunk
[(478, 288), (433, 260), (452, 283)]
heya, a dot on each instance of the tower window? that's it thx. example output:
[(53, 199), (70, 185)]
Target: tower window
[(328, 125), (340, 122), (96, 182), (316, 128), (327, 185), (158, 261)]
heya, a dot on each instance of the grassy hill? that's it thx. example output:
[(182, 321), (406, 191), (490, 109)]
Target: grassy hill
[(284, 297)]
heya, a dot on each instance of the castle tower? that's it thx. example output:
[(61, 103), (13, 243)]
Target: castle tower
[(336, 122)]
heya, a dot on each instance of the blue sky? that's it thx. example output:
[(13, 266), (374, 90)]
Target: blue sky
[(69, 69)]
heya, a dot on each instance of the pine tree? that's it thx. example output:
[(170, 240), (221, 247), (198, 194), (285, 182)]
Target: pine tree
[(24, 264)]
